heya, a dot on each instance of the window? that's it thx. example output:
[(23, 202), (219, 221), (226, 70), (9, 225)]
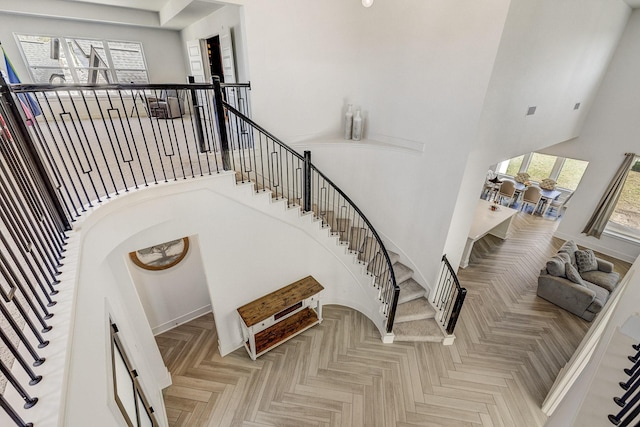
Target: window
[(540, 166), (626, 217), (566, 172), (511, 166), (571, 173), (77, 60)]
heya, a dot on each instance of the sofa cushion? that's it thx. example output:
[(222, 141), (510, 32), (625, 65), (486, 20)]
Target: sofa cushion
[(586, 260), (570, 248), (572, 274), (602, 295), (555, 265), (603, 279), (604, 265)]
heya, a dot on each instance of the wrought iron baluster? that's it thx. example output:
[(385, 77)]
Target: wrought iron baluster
[(28, 400), (12, 413)]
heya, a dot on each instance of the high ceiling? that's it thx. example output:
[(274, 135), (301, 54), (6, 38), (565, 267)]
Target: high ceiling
[(151, 5), (168, 14)]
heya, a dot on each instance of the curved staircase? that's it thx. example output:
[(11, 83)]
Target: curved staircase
[(415, 315)]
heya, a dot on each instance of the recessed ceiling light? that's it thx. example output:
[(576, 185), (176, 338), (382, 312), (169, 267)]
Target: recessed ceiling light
[(367, 3)]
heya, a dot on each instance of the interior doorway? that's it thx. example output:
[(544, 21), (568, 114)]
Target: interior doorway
[(214, 55)]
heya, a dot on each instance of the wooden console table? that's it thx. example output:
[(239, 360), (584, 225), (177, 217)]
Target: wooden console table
[(281, 315)]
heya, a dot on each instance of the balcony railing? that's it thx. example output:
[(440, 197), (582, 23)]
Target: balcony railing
[(68, 148), (32, 241)]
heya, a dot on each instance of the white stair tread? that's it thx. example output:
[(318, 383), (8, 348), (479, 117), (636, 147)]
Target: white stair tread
[(416, 309), (418, 330)]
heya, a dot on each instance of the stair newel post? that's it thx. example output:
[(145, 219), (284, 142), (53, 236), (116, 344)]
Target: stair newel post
[(222, 123), (455, 313), (307, 181), (394, 304)]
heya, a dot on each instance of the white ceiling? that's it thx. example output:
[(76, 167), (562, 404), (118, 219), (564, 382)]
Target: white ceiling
[(152, 5), (167, 14)]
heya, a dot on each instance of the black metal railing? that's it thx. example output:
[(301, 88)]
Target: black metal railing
[(99, 141), (261, 158), (448, 296), (32, 241), (629, 400), (68, 148)]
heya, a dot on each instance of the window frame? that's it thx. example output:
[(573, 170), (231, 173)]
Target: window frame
[(73, 68), (620, 231), (526, 162)]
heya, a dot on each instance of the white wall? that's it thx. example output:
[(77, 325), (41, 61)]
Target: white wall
[(611, 130), (162, 48), (248, 254), (419, 70), (552, 55), (571, 405), (229, 17), (176, 295)]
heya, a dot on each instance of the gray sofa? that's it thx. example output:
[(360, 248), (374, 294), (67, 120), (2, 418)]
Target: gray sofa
[(577, 281)]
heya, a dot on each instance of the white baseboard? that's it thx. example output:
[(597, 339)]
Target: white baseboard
[(157, 330), (592, 244)]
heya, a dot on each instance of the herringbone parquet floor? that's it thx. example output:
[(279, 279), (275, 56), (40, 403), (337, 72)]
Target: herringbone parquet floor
[(510, 346)]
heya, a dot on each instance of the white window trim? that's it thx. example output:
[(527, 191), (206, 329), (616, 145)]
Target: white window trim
[(526, 162), (73, 69), (621, 232)]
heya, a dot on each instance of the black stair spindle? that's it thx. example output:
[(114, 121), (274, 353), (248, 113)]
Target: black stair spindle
[(630, 371), (35, 379), (615, 419), (28, 400), (12, 413), (631, 380), (622, 400), (20, 334)]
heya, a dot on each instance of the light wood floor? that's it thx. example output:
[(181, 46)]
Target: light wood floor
[(510, 346)]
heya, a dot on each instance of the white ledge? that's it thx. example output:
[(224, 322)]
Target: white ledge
[(391, 144)]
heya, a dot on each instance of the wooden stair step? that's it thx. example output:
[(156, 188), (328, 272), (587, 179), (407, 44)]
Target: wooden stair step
[(369, 249), (342, 226), (356, 238)]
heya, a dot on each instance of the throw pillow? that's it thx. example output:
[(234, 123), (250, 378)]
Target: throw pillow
[(570, 248), (586, 260), (572, 274), (555, 265)]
